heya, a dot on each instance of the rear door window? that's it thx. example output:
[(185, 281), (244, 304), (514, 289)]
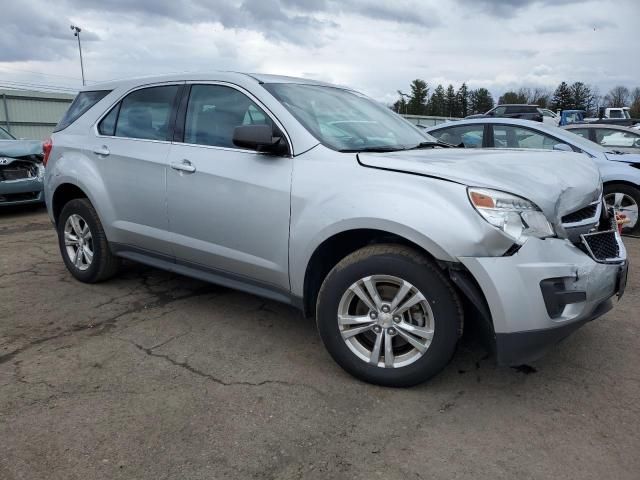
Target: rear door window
[(507, 136), (143, 114), (583, 132), (610, 137), (80, 105), (470, 136)]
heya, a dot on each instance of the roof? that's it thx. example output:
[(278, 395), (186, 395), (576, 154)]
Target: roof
[(601, 125), (205, 76), (515, 105)]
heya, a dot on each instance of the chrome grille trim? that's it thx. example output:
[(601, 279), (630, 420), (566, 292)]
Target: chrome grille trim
[(605, 246), (594, 209)]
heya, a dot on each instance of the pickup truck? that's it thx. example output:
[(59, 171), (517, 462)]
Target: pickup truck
[(614, 116)]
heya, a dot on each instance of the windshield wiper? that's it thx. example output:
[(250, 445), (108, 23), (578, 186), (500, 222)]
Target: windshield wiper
[(381, 148), (431, 145)]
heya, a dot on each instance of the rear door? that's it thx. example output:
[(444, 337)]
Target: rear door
[(131, 153), (228, 207)]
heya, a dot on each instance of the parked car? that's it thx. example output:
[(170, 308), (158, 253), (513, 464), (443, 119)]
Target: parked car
[(620, 171), (549, 117), (568, 117), (622, 139), (525, 112), (21, 171), (319, 197)]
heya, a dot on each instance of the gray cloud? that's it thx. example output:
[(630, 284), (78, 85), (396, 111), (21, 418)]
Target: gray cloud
[(377, 46), (31, 30), (280, 19), (562, 26), (509, 8), (28, 32)]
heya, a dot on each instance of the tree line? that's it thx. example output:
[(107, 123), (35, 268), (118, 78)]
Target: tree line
[(450, 102)]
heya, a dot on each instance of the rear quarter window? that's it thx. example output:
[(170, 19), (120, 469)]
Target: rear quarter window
[(80, 105)]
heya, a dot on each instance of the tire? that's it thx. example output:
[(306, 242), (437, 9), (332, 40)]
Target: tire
[(103, 264), (629, 195), (439, 312)]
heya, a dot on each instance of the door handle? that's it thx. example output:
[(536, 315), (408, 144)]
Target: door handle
[(102, 151), (184, 166)]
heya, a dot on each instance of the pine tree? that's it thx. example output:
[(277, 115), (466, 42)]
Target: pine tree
[(481, 100), (451, 102), (580, 95), (437, 104), (463, 100), (562, 98), (417, 104)]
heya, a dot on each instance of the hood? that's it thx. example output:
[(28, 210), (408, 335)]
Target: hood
[(20, 148), (624, 157), (557, 182)]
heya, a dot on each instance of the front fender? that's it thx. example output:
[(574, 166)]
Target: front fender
[(431, 213)]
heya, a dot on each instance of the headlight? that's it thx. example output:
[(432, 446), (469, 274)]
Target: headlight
[(515, 216)]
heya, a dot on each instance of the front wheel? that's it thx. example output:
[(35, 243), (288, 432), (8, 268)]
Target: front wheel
[(388, 316), (625, 200)]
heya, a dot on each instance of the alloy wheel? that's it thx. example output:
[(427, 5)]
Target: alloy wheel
[(385, 321), (78, 242), (624, 204)]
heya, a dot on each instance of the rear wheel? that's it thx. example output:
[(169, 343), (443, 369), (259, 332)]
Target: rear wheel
[(83, 243), (625, 200), (388, 316)]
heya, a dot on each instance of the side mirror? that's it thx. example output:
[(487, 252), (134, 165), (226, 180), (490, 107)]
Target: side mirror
[(563, 147), (637, 143), (257, 137)]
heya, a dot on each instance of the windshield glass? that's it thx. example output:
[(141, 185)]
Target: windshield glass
[(4, 135), (345, 120)]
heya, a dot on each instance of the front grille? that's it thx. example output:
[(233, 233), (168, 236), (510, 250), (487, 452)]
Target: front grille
[(18, 171), (585, 213), (603, 246)]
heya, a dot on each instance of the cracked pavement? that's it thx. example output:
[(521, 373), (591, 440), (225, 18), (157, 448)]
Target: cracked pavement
[(154, 375)]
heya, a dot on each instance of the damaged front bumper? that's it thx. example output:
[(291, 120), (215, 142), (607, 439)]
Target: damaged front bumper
[(21, 182), (544, 291)]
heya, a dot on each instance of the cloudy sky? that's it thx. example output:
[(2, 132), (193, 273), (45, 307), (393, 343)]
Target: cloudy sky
[(376, 46)]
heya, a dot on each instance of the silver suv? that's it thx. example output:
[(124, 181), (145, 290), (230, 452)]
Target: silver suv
[(319, 197)]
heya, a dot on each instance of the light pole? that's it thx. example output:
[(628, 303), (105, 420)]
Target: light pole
[(405, 95), (76, 33)]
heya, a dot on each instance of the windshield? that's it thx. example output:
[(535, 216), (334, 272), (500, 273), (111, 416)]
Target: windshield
[(345, 120), (4, 135)]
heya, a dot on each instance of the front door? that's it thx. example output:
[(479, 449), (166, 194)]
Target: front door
[(228, 207)]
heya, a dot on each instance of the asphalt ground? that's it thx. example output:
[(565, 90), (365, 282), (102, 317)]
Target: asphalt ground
[(156, 376)]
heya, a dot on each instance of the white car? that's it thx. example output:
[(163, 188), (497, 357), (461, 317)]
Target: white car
[(620, 171), (615, 137), (549, 117)]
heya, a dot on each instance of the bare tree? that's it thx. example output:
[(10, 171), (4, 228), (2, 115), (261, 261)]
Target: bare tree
[(617, 97), (540, 97), (635, 103), (593, 101)]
